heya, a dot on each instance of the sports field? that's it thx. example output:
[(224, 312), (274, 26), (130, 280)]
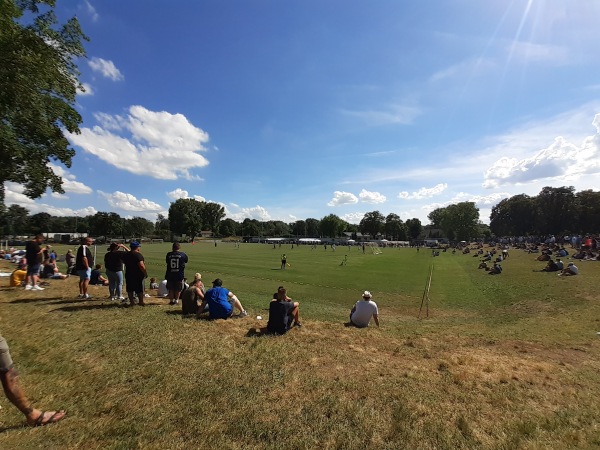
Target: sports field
[(502, 362)]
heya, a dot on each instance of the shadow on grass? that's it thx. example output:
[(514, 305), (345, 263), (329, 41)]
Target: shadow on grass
[(13, 427), (88, 307), (258, 332), (34, 300)]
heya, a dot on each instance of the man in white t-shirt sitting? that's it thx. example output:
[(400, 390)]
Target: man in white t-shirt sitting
[(570, 270), (363, 310)]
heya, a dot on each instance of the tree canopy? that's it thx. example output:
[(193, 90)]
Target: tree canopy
[(38, 86)]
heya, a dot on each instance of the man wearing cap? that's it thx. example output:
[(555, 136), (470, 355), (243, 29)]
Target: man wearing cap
[(221, 302), (570, 270), (283, 312), (135, 273), (363, 310), (175, 273)]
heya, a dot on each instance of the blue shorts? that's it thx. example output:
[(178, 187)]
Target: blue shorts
[(33, 269), (85, 274)]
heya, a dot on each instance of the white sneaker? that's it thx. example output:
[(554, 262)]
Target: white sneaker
[(87, 296), (37, 288), (27, 287), (80, 296)]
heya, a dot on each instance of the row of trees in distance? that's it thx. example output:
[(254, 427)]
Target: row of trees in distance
[(553, 211), (189, 217)]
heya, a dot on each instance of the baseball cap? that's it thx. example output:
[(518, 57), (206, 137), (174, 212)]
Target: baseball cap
[(135, 244), (367, 294)]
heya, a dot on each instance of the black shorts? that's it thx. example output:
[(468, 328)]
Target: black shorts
[(134, 284), (175, 285)]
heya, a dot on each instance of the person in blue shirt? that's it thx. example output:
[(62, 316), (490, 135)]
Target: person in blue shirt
[(221, 302)]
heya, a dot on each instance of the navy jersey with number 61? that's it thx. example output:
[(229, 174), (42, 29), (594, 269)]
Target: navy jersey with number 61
[(176, 265)]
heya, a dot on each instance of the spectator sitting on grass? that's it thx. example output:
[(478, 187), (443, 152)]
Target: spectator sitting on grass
[(51, 271), (483, 265), (283, 313), (495, 270), (96, 277), (162, 289), (221, 302), (570, 270), (17, 277), (560, 264), (551, 266), (363, 310), (70, 260), (190, 297), (153, 283)]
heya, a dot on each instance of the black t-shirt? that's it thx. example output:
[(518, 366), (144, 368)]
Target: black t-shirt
[(32, 250), (82, 251), (279, 316), (132, 265), (113, 261)]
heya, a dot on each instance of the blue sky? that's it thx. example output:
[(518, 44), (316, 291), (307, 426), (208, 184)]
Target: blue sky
[(285, 110)]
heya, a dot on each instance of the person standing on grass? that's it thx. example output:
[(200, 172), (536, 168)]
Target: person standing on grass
[(33, 255), (363, 310), (283, 313), (113, 263), (283, 261), (12, 389), (84, 260), (135, 274), (175, 274), (220, 302)]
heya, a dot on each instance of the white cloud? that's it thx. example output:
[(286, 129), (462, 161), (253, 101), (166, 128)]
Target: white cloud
[(531, 52), (87, 90), (181, 193), (353, 218), (14, 196), (257, 212), (161, 145), (424, 192), (69, 183), (178, 193), (106, 68), (128, 202), (465, 69), (342, 198), (393, 115), (481, 201), (561, 160), (89, 9), (371, 197)]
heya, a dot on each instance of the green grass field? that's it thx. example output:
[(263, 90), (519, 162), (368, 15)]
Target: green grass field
[(502, 362)]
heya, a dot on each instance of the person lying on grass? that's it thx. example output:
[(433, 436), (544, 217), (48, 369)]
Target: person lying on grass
[(220, 302), (283, 313), (363, 310), (14, 393)]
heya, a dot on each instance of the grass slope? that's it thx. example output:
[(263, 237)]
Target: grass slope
[(502, 362)]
